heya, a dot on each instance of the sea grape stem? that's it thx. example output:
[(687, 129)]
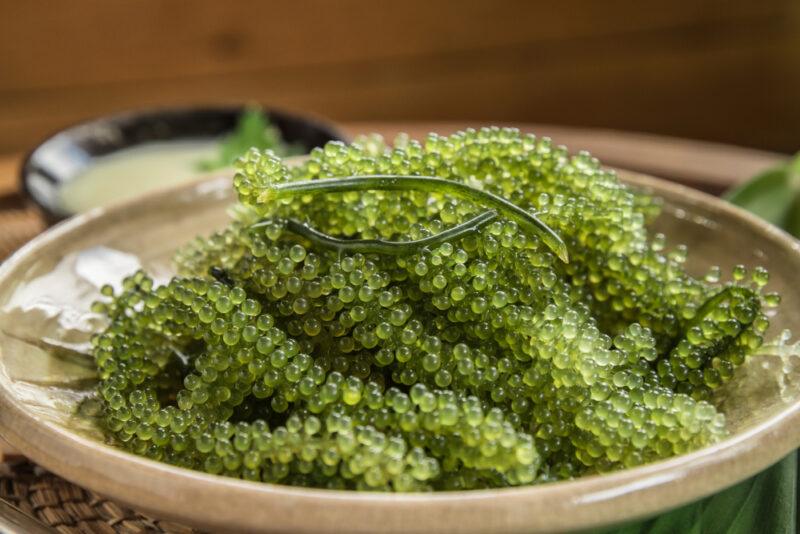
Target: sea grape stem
[(380, 246), (727, 294), (379, 182)]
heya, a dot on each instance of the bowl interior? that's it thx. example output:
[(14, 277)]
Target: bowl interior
[(46, 289), (65, 155)]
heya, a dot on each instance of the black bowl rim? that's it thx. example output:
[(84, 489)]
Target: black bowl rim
[(52, 216)]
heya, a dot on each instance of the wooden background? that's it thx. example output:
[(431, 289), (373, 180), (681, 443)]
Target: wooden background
[(708, 69)]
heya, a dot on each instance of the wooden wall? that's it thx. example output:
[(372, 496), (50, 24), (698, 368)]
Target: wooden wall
[(710, 69)]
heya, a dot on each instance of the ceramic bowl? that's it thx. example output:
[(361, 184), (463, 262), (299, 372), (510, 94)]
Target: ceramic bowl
[(39, 391), (65, 155)]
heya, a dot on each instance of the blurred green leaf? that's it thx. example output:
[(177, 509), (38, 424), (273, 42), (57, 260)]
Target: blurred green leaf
[(772, 195), (763, 503), (792, 221), (254, 130)]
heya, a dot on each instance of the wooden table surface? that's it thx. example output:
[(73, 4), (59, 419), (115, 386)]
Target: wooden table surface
[(710, 166)]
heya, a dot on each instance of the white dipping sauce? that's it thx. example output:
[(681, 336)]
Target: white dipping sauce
[(133, 171)]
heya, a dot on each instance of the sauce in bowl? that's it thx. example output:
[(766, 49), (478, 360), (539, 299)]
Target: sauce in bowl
[(132, 171)]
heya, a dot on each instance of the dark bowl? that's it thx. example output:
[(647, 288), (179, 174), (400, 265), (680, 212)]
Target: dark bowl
[(65, 155)]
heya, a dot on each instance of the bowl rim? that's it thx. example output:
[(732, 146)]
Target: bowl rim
[(603, 499), (53, 216)]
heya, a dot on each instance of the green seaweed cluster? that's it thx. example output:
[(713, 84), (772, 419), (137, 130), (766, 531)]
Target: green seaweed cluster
[(477, 310)]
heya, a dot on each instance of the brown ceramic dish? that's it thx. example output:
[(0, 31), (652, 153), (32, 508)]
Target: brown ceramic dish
[(37, 396)]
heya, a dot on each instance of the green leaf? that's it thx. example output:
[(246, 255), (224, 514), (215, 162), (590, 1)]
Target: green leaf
[(791, 222), (254, 130), (772, 195), (763, 503)]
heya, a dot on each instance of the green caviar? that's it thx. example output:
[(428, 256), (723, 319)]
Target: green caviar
[(479, 310)]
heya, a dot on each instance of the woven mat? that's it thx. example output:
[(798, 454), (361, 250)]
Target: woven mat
[(53, 501), (69, 508)]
